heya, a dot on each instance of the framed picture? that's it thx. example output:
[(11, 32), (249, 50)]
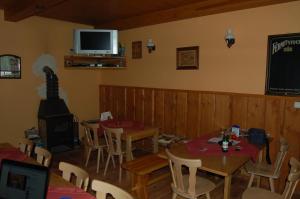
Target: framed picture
[(283, 63), (136, 49), (187, 58), (10, 67)]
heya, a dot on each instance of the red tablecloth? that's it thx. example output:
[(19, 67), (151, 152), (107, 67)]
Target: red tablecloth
[(201, 146), (67, 193), (125, 124), (12, 154)]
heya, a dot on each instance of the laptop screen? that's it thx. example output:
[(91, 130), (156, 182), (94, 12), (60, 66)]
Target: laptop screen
[(22, 180)]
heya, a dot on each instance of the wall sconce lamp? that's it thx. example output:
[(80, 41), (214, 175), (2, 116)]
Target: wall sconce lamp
[(150, 45), (229, 38)]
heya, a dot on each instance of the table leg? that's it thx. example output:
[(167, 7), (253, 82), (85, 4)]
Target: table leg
[(128, 148), (155, 142), (141, 186), (227, 187)]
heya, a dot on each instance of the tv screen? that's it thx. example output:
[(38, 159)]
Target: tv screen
[(22, 180), (283, 69), (95, 41)]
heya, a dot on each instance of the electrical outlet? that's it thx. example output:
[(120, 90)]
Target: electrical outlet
[(296, 104)]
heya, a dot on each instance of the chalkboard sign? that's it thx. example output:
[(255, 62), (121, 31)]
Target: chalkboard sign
[(283, 67)]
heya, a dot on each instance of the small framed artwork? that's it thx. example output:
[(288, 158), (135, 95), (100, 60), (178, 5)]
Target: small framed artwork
[(10, 67), (187, 58), (136, 49)]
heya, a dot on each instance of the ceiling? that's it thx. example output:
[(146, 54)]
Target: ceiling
[(123, 14)]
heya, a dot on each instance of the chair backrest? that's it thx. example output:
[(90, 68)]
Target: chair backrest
[(91, 134), (26, 146), (176, 164), (280, 156), (293, 179), (43, 156), (106, 116), (82, 177), (113, 139), (104, 188)]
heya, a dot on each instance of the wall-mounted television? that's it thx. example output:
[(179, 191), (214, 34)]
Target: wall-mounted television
[(95, 41), (283, 67)]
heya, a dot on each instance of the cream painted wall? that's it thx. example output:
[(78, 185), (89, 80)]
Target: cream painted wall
[(239, 69), (18, 98)]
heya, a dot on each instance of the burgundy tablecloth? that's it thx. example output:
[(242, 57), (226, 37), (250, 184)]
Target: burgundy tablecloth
[(127, 125), (67, 192), (12, 154), (201, 146)]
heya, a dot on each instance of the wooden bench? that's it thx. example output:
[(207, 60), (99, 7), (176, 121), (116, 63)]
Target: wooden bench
[(142, 170)]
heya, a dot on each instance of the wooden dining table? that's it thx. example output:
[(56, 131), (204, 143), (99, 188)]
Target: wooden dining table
[(222, 164), (131, 133)]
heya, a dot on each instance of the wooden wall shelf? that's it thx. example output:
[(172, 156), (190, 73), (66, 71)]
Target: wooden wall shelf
[(94, 62)]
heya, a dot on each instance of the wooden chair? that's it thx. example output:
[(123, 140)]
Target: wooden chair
[(92, 142), (291, 184), (265, 170), (188, 185), (114, 144), (26, 146), (43, 156), (82, 177), (104, 188)]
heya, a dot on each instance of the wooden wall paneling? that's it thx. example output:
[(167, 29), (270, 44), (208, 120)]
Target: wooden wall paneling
[(120, 95), (114, 108), (273, 125), (181, 113), (255, 111), (129, 114), (108, 99), (239, 110), (170, 111), (159, 113), (148, 106), (223, 112), (193, 114), (139, 104), (207, 111)]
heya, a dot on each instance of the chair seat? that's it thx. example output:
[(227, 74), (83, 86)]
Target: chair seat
[(203, 185), (252, 192), (261, 169)]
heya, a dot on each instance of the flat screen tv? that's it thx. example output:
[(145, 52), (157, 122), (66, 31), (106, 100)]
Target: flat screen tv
[(95, 41), (283, 67)]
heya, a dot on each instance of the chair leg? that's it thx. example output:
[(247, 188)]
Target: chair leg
[(207, 195), (174, 195), (106, 165), (113, 161), (120, 167), (98, 159), (88, 157), (102, 155), (271, 181), (251, 180)]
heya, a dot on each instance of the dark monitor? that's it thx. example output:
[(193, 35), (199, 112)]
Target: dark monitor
[(19, 180)]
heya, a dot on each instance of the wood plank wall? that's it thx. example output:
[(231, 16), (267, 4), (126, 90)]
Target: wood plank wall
[(193, 113)]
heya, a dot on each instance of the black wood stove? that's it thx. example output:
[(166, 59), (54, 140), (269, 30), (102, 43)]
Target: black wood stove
[(54, 118)]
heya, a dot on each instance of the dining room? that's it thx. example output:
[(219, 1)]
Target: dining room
[(189, 73)]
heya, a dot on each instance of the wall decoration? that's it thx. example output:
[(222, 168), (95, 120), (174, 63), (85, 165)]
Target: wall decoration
[(187, 58), (10, 67), (136, 49), (283, 67)]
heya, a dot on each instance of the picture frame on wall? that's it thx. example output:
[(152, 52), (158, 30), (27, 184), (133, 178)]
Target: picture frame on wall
[(10, 66), (283, 71), (187, 58)]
